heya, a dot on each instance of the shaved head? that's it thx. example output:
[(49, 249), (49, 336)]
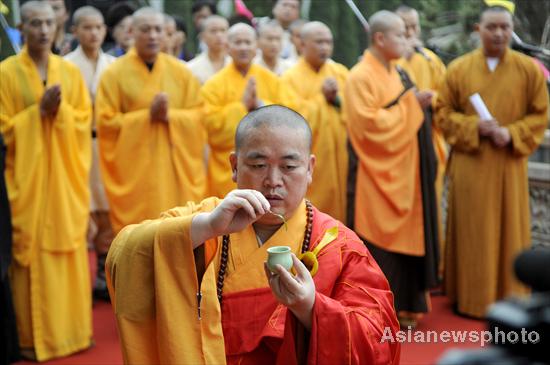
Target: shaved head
[(382, 22), (169, 20), (240, 28), (297, 24), (214, 19), (405, 9), (146, 12), (497, 10), (411, 19), (273, 116), (86, 11), (272, 24), (34, 6), (312, 28)]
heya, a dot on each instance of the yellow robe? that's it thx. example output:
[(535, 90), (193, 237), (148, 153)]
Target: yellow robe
[(388, 209), (327, 122), (428, 73), (222, 96), (488, 221), (149, 166), (46, 174)]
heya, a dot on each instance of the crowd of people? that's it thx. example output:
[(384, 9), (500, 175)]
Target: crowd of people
[(261, 125)]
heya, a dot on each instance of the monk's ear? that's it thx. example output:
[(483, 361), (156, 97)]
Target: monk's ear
[(378, 38), (233, 162), (476, 27), (310, 168)]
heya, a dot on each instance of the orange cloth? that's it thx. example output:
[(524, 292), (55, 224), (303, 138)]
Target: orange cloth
[(388, 209), (488, 220), (149, 166), (153, 285)]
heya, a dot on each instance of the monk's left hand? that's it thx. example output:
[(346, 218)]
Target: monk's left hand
[(295, 292), (501, 137)]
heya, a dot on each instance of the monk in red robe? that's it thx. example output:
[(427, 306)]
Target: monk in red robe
[(193, 288)]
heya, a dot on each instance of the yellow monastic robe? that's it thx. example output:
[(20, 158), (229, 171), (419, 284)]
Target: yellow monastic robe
[(427, 72), (222, 96), (149, 166), (328, 192), (488, 220), (46, 174), (388, 209)]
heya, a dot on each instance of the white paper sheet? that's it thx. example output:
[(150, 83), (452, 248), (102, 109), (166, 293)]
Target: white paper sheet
[(480, 107)]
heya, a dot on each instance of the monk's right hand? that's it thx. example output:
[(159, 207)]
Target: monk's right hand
[(330, 89), (250, 96), (239, 209), (49, 104), (424, 98), (159, 108)]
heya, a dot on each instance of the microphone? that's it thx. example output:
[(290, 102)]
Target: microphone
[(532, 267)]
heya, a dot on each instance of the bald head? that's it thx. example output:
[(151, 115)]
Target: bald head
[(411, 19), (382, 22), (387, 35), (241, 29), (31, 7), (274, 117), (86, 12), (316, 44), (311, 28), (146, 13), (169, 20), (214, 21), (499, 10), (269, 26), (405, 9)]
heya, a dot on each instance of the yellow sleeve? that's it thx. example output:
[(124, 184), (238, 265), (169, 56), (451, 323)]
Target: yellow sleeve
[(9, 114), (222, 115), (460, 130), (528, 132), (308, 107), (285, 95), (187, 136), (110, 118), (74, 118), (153, 286)]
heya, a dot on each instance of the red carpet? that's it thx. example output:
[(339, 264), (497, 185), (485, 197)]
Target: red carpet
[(107, 349)]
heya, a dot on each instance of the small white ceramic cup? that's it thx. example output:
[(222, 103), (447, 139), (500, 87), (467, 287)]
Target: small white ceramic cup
[(279, 255)]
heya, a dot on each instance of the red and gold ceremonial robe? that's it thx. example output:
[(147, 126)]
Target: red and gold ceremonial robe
[(152, 274)]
